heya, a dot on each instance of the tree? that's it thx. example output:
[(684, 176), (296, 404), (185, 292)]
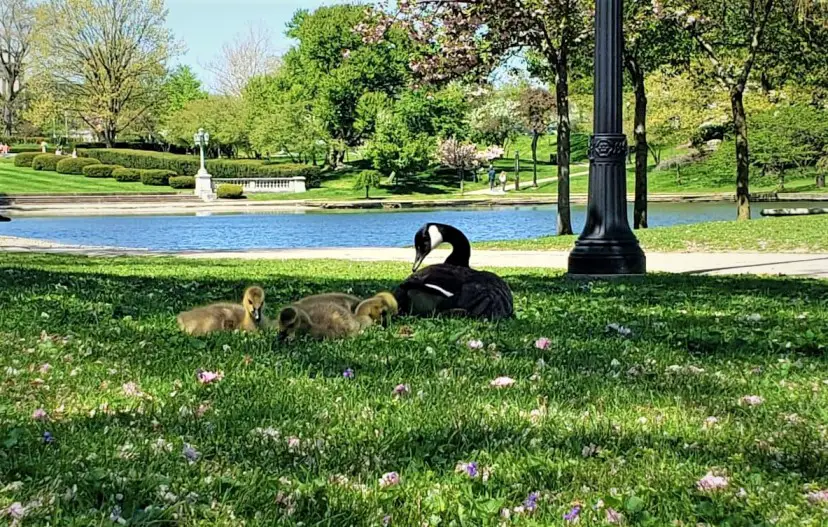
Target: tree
[(472, 38), (367, 179), (650, 43), (396, 150), (822, 168), (16, 26), (249, 55), (108, 57), (281, 120), (180, 87), (537, 110), (496, 120), (730, 37), (460, 156), (332, 68), (221, 116)]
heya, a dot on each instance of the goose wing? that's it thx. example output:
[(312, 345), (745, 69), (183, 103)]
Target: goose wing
[(443, 288)]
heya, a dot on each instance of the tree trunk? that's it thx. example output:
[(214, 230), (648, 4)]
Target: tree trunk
[(562, 96), (641, 155), (820, 181), (460, 174), (366, 191), (535, 137), (8, 119), (742, 152)]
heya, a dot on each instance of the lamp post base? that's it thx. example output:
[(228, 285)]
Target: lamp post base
[(204, 185), (607, 257)]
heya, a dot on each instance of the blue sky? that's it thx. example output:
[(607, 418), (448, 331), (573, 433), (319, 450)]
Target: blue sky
[(204, 25)]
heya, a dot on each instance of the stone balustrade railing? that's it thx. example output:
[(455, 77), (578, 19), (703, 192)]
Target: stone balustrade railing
[(264, 185)]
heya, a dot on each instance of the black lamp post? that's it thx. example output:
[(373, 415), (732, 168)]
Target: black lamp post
[(608, 246)]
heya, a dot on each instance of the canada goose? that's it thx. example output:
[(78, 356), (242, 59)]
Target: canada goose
[(246, 316), (379, 308), (320, 320), (349, 302), (451, 287)]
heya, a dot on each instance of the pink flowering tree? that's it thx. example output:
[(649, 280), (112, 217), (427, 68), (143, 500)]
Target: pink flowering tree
[(458, 155), (471, 38)]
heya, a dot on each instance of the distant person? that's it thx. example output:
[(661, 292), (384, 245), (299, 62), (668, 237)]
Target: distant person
[(503, 181), (492, 174)]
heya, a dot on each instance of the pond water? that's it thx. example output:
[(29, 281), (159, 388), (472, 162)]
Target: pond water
[(334, 229)]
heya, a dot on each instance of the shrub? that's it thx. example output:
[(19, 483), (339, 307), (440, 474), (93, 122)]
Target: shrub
[(126, 175), (99, 171), (226, 191), (367, 179), (219, 168), (46, 162), (75, 166), (182, 182), (25, 160), (156, 178)]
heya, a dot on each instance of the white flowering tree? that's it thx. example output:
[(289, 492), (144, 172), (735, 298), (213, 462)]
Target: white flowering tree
[(459, 156)]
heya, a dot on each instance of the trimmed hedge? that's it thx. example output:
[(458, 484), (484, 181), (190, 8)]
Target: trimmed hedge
[(99, 171), (227, 191), (156, 178), (74, 165), (25, 160), (126, 175), (182, 182), (219, 168), (46, 162)]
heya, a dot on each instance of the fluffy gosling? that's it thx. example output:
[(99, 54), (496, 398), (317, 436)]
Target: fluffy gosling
[(246, 316), (379, 308), (320, 320), (349, 302)]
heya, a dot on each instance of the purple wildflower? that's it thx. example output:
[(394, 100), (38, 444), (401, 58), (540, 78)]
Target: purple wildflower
[(471, 469), (48, 438), (531, 502), (348, 374), (573, 513)]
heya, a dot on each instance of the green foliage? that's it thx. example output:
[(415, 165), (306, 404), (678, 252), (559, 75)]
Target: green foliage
[(25, 159), (74, 165), (157, 177), (227, 191), (100, 171), (333, 66), (189, 165), (46, 162), (223, 117), (182, 182), (126, 175), (692, 353), (787, 137), (496, 119), (396, 151), (579, 147), (180, 87), (367, 179)]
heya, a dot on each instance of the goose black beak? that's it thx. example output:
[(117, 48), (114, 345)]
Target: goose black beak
[(418, 261)]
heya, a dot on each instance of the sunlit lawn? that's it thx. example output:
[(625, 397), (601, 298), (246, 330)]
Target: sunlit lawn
[(642, 389), (787, 234), (17, 180)]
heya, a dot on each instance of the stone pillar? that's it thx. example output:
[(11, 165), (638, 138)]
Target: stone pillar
[(204, 185)]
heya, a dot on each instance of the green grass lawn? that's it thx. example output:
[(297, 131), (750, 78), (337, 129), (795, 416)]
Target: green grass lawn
[(787, 234), (719, 376), (17, 180)]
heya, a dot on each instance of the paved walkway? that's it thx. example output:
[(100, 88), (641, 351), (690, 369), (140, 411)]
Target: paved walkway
[(575, 171), (794, 264)]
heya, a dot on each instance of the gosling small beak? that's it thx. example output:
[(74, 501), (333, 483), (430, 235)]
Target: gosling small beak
[(257, 315), (385, 319), (418, 261)]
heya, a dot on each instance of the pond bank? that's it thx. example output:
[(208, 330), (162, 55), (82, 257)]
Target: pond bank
[(111, 205)]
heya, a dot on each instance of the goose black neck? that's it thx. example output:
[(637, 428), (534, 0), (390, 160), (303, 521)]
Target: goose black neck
[(460, 247)]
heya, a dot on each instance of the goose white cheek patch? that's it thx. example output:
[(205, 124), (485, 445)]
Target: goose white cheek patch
[(440, 289), (435, 236)]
